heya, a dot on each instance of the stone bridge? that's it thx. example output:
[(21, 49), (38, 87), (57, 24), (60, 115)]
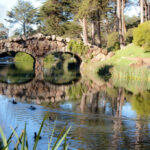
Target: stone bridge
[(38, 46)]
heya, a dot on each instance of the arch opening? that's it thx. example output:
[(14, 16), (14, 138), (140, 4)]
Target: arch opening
[(13, 71), (61, 68)]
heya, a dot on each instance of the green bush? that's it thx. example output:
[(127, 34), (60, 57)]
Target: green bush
[(113, 41), (141, 35), (21, 56), (49, 58), (77, 46), (129, 36)]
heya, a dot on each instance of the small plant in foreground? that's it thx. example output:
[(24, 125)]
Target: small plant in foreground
[(23, 140)]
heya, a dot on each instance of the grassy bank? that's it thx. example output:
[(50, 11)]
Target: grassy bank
[(122, 57), (122, 73)]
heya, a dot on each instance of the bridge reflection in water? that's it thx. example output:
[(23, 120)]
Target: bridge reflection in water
[(101, 116)]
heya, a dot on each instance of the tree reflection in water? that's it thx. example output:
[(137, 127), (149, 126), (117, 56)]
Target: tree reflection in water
[(101, 115)]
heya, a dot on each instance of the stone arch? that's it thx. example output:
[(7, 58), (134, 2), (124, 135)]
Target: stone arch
[(79, 60), (24, 51)]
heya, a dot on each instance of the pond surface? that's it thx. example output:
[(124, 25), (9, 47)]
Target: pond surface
[(101, 116)]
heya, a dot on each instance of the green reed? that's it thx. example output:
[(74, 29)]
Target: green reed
[(22, 140), (131, 78)]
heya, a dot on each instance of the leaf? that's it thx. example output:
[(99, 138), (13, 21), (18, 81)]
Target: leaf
[(49, 145), (24, 137), (59, 139), (11, 135), (38, 136), (4, 139)]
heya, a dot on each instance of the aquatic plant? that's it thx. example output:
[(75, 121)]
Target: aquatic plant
[(22, 140), (132, 79)]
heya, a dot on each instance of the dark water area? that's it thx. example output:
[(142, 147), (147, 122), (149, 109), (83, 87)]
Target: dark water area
[(101, 116)]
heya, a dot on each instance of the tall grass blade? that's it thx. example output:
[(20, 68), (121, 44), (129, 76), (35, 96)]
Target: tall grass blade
[(4, 139), (38, 136), (11, 136), (18, 141), (49, 144), (26, 148), (24, 137), (59, 139)]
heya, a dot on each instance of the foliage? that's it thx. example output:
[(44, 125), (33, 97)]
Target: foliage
[(3, 31), (24, 14), (132, 79), (129, 36), (72, 30), (49, 58), (141, 35), (49, 61), (113, 41), (141, 103), (21, 56), (22, 140), (53, 14), (132, 22), (76, 91), (77, 46)]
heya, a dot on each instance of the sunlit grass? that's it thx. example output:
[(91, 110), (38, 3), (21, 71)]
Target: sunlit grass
[(21, 56), (132, 79), (131, 51)]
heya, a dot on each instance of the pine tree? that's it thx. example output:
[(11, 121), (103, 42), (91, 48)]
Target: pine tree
[(24, 14), (54, 14)]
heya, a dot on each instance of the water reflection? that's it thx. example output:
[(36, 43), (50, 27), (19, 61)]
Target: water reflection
[(102, 116), (63, 69), (14, 74)]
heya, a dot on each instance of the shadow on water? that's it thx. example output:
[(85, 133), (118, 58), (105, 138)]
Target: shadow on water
[(105, 72)]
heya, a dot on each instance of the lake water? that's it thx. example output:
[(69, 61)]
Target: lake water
[(101, 116)]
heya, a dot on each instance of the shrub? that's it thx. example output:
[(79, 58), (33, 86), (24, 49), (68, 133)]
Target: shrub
[(113, 41), (129, 36), (77, 46), (21, 56), (141, 35)]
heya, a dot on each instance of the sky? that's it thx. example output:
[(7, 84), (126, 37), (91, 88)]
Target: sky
[(7, 5)]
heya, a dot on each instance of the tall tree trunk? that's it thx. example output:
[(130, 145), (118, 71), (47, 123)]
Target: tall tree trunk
[(123, 19), (148, 11), (119, 16), (142, 11), (99, 28), (84, 28), (93, 33), (24, 28), (116, 19)]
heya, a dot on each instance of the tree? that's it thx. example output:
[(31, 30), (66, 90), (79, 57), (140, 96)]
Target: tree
[(24, 14), (92, 10), (142, 10), (3, 31), (54, 14)]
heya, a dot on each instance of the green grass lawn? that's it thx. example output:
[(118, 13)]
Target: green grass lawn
[(131, 51)]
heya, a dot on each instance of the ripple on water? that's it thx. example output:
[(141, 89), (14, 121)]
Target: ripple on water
[(89, 131)]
